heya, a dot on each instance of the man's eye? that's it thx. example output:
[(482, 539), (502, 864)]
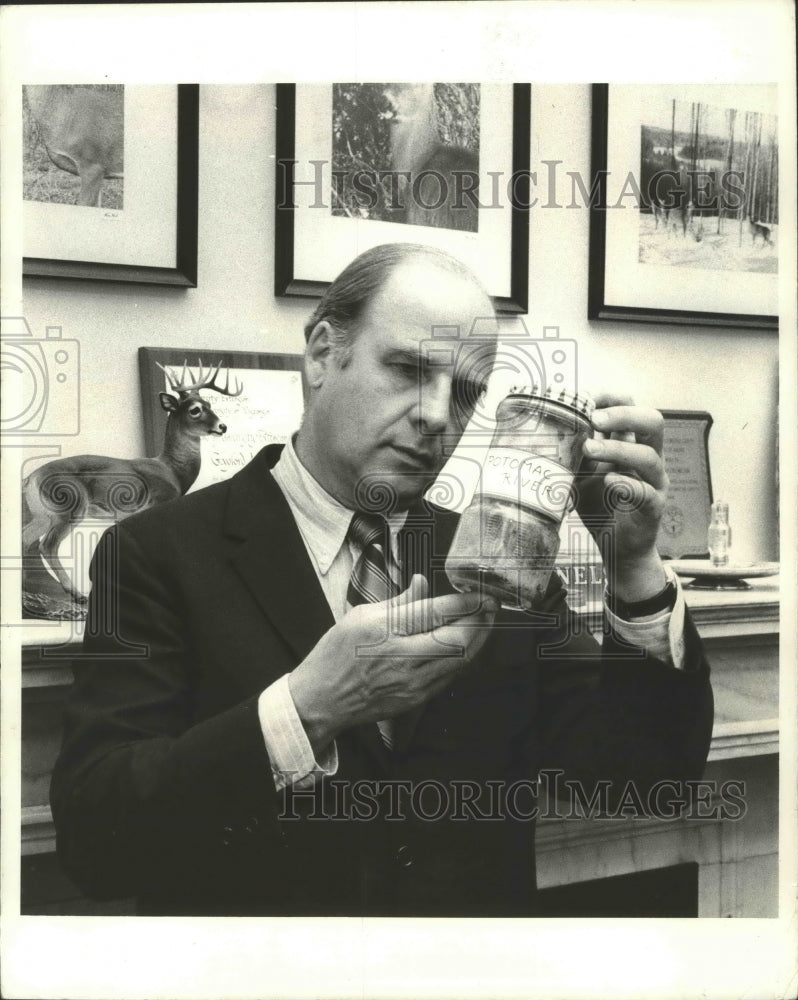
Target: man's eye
[(468, 393), (406, 368)]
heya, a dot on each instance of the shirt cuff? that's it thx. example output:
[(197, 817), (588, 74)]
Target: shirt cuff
[(660, 634), (287, 743)]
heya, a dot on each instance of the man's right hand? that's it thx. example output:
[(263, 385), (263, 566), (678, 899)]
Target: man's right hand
[(385, 658)]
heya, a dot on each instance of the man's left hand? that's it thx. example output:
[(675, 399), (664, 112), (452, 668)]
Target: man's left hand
[(623, 487)]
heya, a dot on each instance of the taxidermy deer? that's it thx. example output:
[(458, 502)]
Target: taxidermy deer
[(60, 493)]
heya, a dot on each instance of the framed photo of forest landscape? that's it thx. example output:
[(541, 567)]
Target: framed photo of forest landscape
[(110, 182), (444, 164), (266, 410), (685, 211)]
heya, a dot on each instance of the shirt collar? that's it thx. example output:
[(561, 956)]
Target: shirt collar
[(323, 521)]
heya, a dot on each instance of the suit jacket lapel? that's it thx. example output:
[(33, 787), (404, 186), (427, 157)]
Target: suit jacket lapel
[(273, 562), (272, 559)]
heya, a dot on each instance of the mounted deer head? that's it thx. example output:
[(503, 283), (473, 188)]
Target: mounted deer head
[(187, 406)]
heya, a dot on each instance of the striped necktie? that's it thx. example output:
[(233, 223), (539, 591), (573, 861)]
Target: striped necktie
[(370, 581)]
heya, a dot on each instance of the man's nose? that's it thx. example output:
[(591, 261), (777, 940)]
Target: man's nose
[(435, 405)]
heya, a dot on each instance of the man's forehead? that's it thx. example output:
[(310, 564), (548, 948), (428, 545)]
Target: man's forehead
[(446, 351), (427, 284)]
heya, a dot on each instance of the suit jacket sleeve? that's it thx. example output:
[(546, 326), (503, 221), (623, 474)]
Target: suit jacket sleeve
[(624, 715), (144, 796)]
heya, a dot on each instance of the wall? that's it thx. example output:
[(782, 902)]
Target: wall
[(732, 374)]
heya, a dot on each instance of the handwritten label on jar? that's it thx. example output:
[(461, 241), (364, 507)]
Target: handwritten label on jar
[(529, 480)]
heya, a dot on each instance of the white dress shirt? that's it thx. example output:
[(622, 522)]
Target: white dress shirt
[(323, 523)]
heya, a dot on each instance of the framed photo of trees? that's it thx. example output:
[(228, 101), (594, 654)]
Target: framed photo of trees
[(685, 204)]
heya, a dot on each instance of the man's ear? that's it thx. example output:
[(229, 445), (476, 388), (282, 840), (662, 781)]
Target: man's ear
[(318, 353)]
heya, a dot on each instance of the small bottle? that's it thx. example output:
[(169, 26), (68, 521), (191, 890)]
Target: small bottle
[(719, 534)]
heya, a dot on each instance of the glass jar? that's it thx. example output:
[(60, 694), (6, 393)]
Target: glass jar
[(508, 537)]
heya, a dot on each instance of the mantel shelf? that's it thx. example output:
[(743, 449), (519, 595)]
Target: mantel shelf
[(744, 739), (722, 614)]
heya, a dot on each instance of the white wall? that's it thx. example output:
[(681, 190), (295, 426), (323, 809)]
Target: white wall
[(730, 373)]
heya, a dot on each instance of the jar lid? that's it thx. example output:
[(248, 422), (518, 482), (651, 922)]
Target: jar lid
[(579, 401)]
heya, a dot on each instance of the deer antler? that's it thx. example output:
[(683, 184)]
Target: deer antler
[(204, 380), (226, 391)]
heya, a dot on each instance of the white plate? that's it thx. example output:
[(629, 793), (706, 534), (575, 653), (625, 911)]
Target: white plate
[(734, 571)]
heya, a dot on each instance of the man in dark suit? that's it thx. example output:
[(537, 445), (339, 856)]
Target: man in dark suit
[(264, 730)]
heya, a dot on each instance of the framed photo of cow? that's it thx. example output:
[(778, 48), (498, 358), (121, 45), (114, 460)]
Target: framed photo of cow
[(444, 164), (110, 182), (685, 204)]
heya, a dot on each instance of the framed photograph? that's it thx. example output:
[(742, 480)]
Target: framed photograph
[(255, 400), (685, 204), (110, 182), (359, 164)]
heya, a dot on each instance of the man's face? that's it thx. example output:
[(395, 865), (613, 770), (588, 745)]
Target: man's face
[(387, 414)]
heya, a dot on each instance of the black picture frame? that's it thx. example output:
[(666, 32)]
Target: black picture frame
[(184, 273), (287, 283), (598, 305)]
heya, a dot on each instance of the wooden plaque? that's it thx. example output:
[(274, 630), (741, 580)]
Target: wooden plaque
[(683, 531)]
